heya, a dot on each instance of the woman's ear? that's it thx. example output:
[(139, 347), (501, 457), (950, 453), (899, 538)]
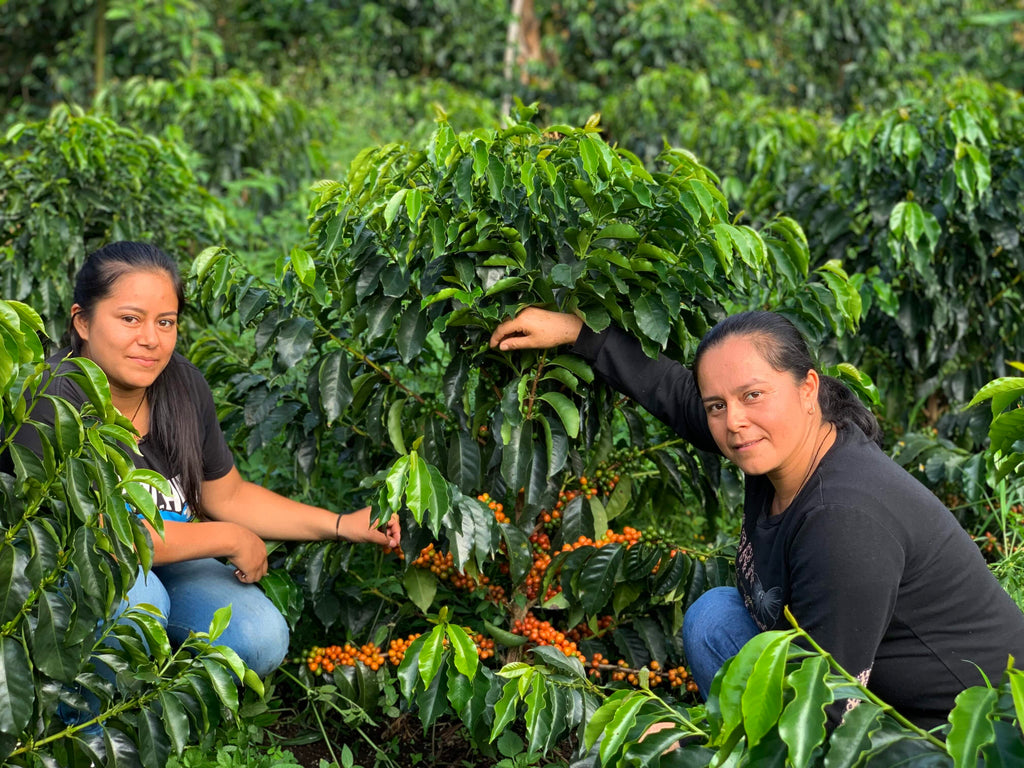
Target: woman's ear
[(78, 321), (809, 388)]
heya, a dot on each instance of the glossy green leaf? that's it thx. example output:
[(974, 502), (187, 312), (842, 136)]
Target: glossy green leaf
[(304, 267), (555, 659), (50, 651), (971, 725), (432, 654), (538, 716), (421, 586), (154, 746), (763, 696), (851, 740), (14, 585), (603, 715), (175, 720), (617, 232), (652, 318), (396, 482), (395, 426), (93, 381), (393, 206), (802, 724), (508, 639), (1002, 391), (294, 339), (460, 690), (505, 708), (1016, 679), (464, 461), (412, 332), (409, 670), (620, 498), (335, 385), (566, 410), (223, 682), (736, 674), (597, 577), (577, 366), (426, 492), (379, 317), (15, 675), (618, 728)]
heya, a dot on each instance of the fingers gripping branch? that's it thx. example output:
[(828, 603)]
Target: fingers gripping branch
[(536, 328)]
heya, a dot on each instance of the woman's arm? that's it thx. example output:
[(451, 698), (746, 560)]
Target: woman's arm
[(662, 386), (270, 515), (192, 541)]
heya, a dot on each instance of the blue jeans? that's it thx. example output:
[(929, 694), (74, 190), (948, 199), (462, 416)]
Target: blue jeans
[(188, 593), (715, 627)]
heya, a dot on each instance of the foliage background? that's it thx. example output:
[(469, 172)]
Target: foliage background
[(891, 133)]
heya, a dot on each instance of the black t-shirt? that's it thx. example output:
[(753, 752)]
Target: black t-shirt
[(869, 561), (217, 458)]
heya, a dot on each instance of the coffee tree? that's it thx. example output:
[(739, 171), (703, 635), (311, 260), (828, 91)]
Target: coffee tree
[(74, 182), (370, 353)]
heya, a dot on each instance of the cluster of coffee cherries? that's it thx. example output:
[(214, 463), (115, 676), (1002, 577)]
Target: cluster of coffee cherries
[(619, 671), (540, 632), (495, 506), (442, 565), (321, 659), (541, 544), (325, 659)]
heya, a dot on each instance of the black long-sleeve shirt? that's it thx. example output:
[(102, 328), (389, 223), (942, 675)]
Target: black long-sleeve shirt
[(869, 561)]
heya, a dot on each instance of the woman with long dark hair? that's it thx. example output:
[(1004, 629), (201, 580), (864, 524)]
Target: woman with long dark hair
[(868, 560), (127, 300)]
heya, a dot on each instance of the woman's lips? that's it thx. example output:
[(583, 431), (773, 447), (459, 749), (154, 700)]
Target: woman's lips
[(740, 447)]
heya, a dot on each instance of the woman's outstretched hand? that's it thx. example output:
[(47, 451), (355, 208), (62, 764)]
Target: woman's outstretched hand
[(536, 328), (356, 527)]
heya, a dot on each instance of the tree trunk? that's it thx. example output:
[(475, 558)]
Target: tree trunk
[(511, 49), (100, 47)]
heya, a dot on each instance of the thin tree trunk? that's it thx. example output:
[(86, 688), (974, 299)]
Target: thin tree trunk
[(100, 47), (511, 50)]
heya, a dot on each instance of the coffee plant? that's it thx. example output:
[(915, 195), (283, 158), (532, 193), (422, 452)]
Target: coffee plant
[(371, 352), (768, 706), (74, 182)]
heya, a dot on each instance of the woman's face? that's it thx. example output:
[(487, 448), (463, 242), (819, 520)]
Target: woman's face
[(132, 332), (760, 418)]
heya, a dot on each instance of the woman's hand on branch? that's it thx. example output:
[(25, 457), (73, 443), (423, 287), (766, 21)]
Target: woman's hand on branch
[(355, 526), (536, 328)]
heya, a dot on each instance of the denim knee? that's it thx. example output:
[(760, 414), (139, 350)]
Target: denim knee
[(259, 634), (715, 627)]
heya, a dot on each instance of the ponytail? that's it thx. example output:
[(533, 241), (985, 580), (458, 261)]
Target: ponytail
[(842, 407)]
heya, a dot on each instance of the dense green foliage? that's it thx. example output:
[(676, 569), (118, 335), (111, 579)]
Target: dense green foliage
[(74, 182), (856, 164)]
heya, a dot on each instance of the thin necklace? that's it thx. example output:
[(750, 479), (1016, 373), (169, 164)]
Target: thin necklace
[(145, 394), (810, 468)]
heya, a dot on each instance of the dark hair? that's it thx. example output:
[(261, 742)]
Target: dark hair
[(784, 348), (173, 415)]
